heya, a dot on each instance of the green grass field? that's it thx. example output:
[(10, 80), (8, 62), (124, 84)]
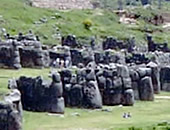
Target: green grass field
[(145, 115)]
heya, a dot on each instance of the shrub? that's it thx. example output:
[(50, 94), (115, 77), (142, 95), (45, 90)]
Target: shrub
[(87, 23), (134, 128)]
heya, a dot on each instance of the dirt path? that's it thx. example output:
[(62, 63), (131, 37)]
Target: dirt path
[(166, 17), (162, 97)]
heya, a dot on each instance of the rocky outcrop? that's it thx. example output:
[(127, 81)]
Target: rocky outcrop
[(142, 83), (146, 89), (40, 95), (165, 78), (11, 112), (115, 85), (81, 89)]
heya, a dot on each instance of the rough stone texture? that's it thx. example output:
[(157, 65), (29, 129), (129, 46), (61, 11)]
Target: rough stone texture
[(11, 112), (81, 89), (9, 56), (135, 88), (5, 53), (128, 97), (112, 43), (145, 2), (141, 84), (79, 56), (31, 58), (63, 4), (16, 54), (38, 95), (59, 54), (92, 97), (155, 75), (137, 58), (115, 85), (109, 56), (70, 41), (165, 78), (146, 89)]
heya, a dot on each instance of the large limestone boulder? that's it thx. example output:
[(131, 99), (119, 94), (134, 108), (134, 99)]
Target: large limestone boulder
[(135, 87), (11, 111), (123, 71), (40, 95), (165, 78), (75, 96), (128, 97), (92, 96), (146, 89), (155, 75), (112, 97)]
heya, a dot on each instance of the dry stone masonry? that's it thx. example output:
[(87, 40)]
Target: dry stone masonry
[(63, 4), (11, 111), (82, 76), (40, 95)]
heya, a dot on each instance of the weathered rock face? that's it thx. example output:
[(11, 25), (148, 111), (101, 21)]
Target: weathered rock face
[(5, 53), (10, 57), (16, 54), (70, 41), (76, 56), (31, 58), (165, 78), (109, 56), (137, 58), (63, 4), (115, 85), (81, 57), (92, 97), (152, 46), (11, 112), (38, 95), (141, 84), (128, 97), (81, 89), (60, 56), (146, 89), (155, 75), (112, 43), (145, 2)]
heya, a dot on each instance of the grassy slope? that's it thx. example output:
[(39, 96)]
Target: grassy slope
[(144, 114), (20, 17)]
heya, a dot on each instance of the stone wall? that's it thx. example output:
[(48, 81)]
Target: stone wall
[(41, 95), (11, 112), (62, 4)]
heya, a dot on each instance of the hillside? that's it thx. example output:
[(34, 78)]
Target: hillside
[(16, 16), (86, 76)]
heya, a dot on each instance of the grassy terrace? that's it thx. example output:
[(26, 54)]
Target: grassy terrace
[(145, 115)]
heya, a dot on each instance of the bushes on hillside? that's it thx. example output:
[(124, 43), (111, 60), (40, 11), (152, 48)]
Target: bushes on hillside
[(87, 24)]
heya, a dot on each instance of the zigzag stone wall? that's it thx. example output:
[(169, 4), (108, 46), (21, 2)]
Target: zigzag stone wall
[(63, 4)]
